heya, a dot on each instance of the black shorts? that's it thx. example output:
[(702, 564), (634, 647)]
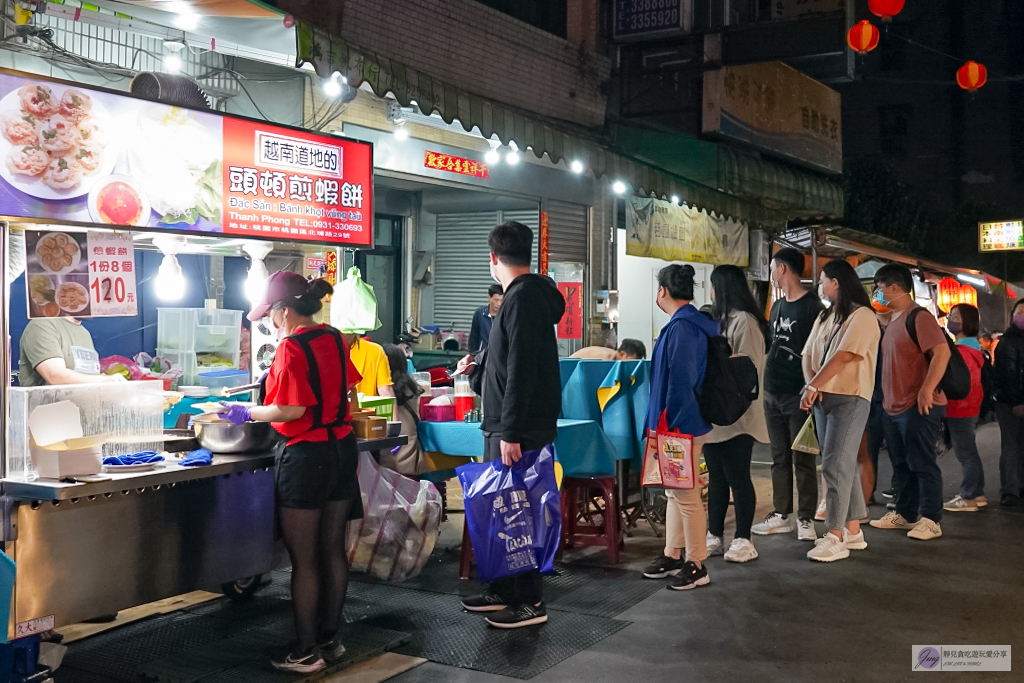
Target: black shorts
[(309, 475)]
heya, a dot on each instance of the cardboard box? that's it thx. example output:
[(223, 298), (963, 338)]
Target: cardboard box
[(57, 445), (370, 427)]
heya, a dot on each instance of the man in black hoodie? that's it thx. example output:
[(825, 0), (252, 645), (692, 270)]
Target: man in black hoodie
[(522, 397)]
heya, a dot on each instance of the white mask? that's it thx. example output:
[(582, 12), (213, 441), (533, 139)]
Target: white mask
[(494, 276), (821, 293)]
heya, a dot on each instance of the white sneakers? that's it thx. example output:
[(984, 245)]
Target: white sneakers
[(925, 530), (829, 548), (741, 550), (961, 504), (854, 541), (891, 520), (819, 514), (773, 524), (715, 545), (805, 530)]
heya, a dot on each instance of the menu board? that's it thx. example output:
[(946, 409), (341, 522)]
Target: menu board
[(84, 275), (1004, 236), (79, 155)]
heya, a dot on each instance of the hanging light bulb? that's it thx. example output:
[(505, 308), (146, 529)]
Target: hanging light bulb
[(172, 63), (576, 166), (169, 281), (401, 133), (256, 280), (332, 86)]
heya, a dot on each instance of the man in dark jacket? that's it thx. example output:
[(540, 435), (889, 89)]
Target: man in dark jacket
[(483, 318), (1010, 409), (522, 395)]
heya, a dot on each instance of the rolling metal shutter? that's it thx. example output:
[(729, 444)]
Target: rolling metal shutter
[(461, 273), (567, 231)]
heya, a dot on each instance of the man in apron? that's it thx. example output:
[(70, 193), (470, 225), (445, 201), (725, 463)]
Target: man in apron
[(59, 351)]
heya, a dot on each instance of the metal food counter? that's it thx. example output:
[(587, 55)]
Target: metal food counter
[(87, 549)]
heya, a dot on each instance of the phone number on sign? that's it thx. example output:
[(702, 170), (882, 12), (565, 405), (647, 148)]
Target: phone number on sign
[(311, 229)]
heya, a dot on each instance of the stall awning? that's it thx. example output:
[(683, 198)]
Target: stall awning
[(558, 140)]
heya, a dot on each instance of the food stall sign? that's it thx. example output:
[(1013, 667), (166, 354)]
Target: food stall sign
[(545, 243), (81, 155), (1001, 236), (571, 324), (85, 275), (453, 164)]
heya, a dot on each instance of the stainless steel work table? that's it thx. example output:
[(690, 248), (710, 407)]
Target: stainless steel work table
[(87, 549)]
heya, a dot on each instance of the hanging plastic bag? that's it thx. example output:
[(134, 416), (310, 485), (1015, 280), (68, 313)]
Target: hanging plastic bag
[(354, 305), (806, 440), (400, 524), (513, 513)]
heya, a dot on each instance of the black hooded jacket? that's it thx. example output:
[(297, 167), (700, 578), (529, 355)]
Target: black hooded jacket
[(522, 390), (1010, 367)]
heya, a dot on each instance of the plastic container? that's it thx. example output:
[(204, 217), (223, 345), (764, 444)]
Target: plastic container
[(383, 406), (429, 413), (223, 379), (422, 379), (176, 329), (185, 361), (217, 330), (464, 397)]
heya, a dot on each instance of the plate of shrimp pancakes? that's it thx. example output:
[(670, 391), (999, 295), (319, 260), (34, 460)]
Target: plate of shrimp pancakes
[(58, 253), (55, 141)]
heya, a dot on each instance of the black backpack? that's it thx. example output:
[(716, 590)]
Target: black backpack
[(730, 384), (956, 381)]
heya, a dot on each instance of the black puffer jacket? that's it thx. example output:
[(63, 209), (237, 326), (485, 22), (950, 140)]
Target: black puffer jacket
[(1010, 367), (522, 390)]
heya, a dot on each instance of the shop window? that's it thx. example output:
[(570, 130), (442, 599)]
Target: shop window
[(547, 15), (893, 126)]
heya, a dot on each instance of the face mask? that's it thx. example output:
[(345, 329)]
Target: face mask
[(278, 331), (1018, 320), (954, 328), (880, 298), (493, 275), (821, 293)]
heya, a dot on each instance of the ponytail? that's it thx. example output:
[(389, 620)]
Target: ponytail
[(310, 302)]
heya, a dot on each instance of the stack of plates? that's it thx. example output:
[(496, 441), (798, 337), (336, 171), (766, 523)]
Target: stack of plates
[(194, 392)]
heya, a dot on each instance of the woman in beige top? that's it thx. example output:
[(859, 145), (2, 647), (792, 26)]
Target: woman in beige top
[(727, 449), (839, 367)]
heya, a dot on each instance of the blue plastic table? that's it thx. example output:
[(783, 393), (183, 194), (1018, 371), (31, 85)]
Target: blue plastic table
[(581, 446)]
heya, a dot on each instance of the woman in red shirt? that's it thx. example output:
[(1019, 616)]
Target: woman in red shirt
[(962, 415), (316, 484)]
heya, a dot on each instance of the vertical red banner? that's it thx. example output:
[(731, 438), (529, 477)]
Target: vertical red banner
[(571, 324), (543, 247)]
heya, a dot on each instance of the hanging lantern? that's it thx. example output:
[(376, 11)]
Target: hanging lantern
[(949, 294), (968, 295), (863, 38), (886, 9), (971, 76)]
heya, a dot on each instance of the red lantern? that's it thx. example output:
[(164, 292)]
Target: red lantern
[(886, 9), (968, 295), (949, 294), (971, 76), (863, 38)]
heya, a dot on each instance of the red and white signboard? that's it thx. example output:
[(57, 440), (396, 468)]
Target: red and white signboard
[(112, 274), (571, 324), (34, 626)]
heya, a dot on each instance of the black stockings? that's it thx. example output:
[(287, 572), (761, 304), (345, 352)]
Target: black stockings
[(315, 540)]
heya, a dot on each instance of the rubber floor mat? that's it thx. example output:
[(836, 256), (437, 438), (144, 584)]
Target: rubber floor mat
[(584, 589), (442, 632)]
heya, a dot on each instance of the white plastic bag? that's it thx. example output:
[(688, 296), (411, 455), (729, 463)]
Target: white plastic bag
[(400, 524)]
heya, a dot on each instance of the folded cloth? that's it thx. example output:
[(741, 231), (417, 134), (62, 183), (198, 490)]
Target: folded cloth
[(141, 458), (197, 458)]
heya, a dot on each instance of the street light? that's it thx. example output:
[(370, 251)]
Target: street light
[(619, 187)]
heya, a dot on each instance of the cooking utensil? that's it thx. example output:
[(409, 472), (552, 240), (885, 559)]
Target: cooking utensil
[(223, 437), (232, 391), (180, 440)]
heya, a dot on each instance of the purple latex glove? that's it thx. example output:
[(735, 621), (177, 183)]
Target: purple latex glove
[(235, 413)]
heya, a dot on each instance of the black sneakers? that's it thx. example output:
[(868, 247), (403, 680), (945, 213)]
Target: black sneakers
[(299, 662), (483, 602), (518, 616), (690, 577), (662, 567), (1009, 500)]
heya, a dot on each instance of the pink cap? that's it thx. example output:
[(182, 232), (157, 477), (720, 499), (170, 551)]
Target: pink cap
[(281, 286)]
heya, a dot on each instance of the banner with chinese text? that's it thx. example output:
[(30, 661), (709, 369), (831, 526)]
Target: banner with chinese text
[(79, 155), (571, 324), (672, 232)]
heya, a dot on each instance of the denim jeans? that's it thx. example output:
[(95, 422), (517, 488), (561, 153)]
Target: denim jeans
[(1011, 456), (876, 436), (785, 418), (961, 433), (520, 589), (911, 438), (839, 421)]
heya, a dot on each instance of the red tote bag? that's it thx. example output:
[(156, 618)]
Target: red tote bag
[(668, 459)]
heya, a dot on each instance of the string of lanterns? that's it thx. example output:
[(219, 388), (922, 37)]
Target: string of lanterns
[(952, 292), (864, 37)]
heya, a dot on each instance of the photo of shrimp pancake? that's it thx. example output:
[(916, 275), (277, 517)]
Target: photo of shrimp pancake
[(58, 253), (72, 297), (56, 140)]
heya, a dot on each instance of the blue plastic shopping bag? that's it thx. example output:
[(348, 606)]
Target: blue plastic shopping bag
[(513, 514)]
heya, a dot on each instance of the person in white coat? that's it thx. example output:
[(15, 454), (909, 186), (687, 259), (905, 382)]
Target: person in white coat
[(728, 449)]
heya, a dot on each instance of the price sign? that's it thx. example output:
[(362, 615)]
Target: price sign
[(112, 274), (1002, 236)]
